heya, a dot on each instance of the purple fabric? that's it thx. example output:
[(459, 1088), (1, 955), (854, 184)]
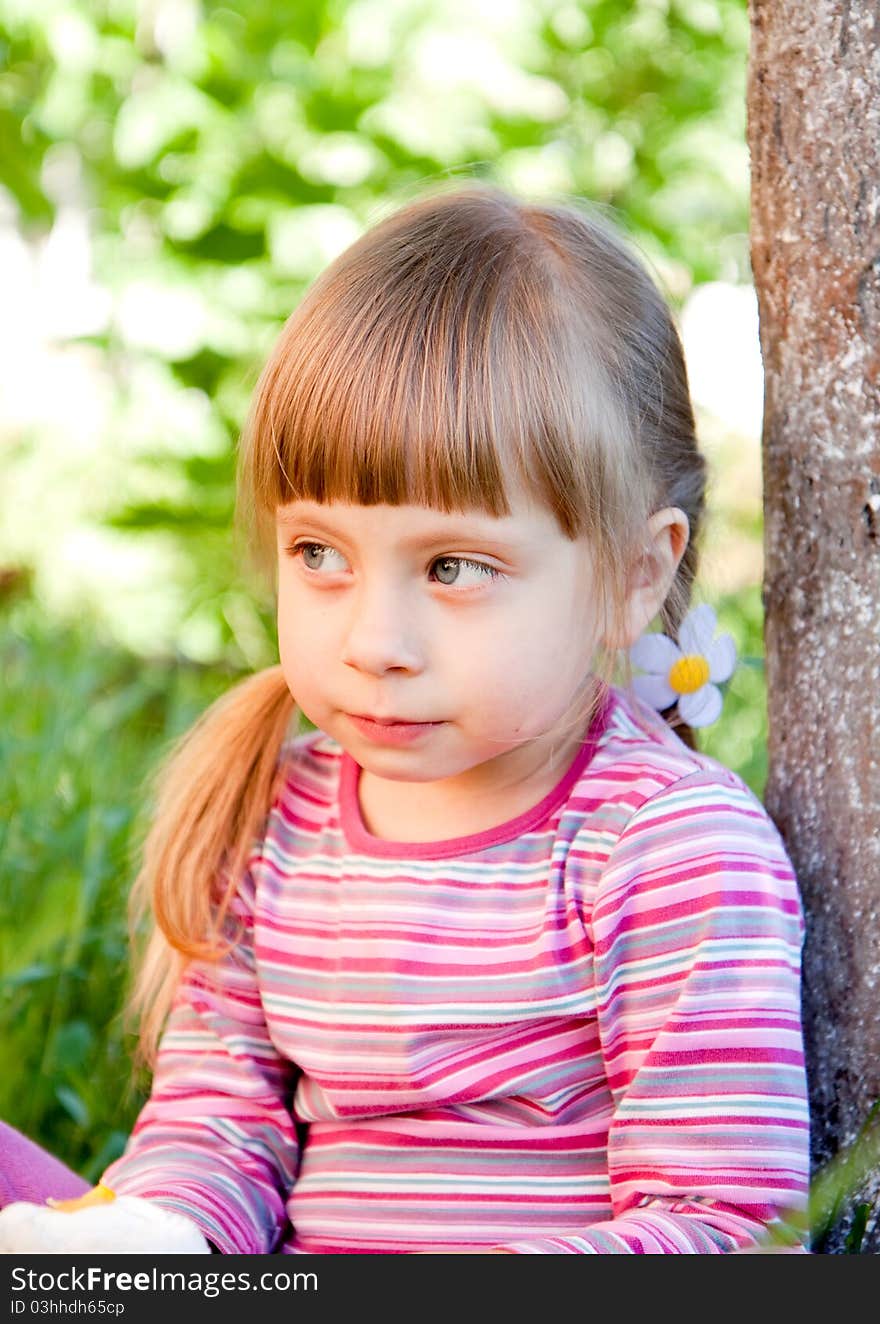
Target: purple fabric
[(30, 1173)]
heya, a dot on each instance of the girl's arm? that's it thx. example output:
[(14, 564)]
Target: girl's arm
[(697, 933), (216, 1140)]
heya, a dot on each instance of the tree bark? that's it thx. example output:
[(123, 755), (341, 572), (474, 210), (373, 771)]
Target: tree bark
[(814, 137)]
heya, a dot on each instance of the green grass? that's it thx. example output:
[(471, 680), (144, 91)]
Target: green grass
[(81, 724)]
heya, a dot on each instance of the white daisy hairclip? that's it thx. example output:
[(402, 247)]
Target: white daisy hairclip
[(688, 672)]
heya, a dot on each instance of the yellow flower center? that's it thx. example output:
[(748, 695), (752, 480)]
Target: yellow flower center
[(99, 1194), (689, 673)]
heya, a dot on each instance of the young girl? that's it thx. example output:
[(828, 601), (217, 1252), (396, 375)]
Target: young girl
[(491, 960)]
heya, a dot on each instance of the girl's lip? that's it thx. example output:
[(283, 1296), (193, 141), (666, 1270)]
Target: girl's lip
[(390, 730), (389, 721)]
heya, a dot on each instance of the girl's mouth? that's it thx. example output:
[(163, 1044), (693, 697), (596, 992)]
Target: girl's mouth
[(390, 730)]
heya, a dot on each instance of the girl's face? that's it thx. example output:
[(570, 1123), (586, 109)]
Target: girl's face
[(437, 647)]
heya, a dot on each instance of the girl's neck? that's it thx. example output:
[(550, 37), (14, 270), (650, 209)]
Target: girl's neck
[(457, 807)]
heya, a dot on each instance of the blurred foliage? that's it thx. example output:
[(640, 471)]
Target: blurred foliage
[(207, 124)]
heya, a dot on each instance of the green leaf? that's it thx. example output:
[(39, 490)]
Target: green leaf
[(73, 1105)]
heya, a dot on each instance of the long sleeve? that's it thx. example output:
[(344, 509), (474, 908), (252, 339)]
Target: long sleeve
[(697, 931), (216, 1140)]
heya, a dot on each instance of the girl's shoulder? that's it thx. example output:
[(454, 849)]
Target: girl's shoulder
[(309, 764), (309, 747), (631, 726), (658, 814), (305, 795), (639, 757)]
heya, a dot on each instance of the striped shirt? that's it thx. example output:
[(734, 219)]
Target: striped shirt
[(577, 1032)]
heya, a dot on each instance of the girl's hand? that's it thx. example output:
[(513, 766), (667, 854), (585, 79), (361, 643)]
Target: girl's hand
[(124, 1225)]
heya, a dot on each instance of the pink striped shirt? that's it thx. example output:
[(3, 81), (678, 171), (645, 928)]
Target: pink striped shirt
[(578, 1032)]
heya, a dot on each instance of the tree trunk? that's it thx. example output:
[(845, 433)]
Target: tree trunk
[(814, 136)]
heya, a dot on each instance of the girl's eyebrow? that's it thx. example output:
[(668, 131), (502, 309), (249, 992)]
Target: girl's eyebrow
[(431, 536)]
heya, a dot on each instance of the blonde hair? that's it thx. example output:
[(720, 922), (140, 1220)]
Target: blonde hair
[(468, 341)]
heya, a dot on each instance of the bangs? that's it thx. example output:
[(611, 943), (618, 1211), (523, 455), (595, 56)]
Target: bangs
[(400, 406), (437, 362)]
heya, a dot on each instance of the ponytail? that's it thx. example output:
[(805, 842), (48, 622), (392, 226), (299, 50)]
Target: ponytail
[(211, 796)]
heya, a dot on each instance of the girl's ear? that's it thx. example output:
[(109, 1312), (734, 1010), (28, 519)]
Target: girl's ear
[(666, 537)]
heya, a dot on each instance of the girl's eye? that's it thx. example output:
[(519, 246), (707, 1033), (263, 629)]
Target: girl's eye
[(318, 557), (321, 559), (462, 572)]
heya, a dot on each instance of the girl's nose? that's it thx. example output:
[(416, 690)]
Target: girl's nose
[(382, 635)]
